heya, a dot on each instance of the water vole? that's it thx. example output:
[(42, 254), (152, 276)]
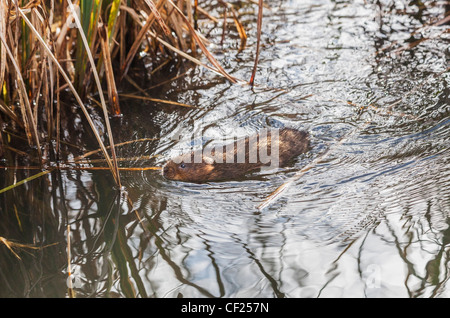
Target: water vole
[(269, 148)]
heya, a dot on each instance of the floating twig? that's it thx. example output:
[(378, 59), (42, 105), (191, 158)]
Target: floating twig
[(281, 189), (12, 245), (69, 267), (258, 41), (156, 100)]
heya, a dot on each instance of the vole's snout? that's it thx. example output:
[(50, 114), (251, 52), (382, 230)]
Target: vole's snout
[(167, 171)]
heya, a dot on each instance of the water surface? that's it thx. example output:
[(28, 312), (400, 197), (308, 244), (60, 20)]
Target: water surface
[(368, 79)]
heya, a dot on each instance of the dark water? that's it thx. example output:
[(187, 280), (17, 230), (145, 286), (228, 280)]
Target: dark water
[(370, 220)]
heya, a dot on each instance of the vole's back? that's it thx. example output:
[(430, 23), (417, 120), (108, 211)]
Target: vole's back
[(273, 147)]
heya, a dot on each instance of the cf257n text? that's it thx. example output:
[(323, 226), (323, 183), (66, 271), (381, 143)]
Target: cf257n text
[(231, 307)]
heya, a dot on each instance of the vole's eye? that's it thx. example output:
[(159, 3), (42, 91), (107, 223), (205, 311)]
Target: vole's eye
[(182, 166)]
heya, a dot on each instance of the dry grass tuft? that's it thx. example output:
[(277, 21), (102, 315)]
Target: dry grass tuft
[(87, 47)]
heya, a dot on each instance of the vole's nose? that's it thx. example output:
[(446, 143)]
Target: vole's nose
[(168, 172)]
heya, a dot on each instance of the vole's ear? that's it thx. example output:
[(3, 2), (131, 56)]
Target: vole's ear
[(208, 160)]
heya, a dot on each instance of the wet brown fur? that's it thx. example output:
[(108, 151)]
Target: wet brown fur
[(291, 143)]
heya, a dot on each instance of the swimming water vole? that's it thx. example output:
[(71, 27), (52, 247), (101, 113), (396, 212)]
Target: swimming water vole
[(271, 148)]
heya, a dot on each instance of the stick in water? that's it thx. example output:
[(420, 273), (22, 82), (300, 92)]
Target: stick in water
[(279, 191)]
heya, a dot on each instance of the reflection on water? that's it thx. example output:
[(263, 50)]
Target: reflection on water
[(370, 220)]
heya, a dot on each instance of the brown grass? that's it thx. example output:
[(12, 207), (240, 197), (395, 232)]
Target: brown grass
[(87, 47)]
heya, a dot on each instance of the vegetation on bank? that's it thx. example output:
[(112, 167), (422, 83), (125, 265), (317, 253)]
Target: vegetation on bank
[(87, 47)]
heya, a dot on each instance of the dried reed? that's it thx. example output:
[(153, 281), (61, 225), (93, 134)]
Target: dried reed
[(48, 46)]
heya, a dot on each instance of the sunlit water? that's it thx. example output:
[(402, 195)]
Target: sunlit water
[(370, 220)]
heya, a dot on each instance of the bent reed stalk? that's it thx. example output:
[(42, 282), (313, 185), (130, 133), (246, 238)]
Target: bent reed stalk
[(45, 46)]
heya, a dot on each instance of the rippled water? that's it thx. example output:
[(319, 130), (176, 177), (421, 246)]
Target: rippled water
[(369, 220)]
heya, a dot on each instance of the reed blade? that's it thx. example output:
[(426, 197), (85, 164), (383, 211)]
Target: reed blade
[(112, 18), (258, 42), (2, 50), (87, 14), (37, 175), (113, 163), (27, 116), (138, 41), (202, 46), (112, 89), (72, 88)]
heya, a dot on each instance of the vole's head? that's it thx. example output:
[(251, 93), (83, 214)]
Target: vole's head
[(183, 168)]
